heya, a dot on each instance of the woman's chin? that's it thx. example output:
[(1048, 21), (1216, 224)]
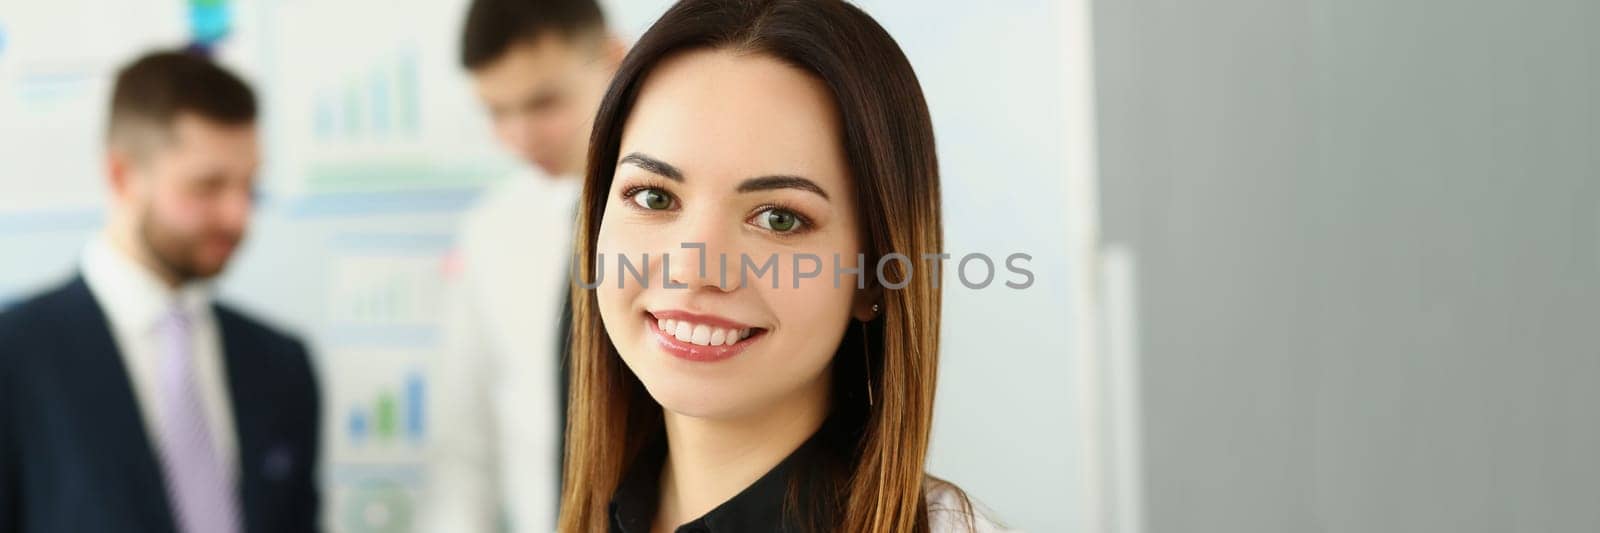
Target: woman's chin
[(700, 397), (704, 406)]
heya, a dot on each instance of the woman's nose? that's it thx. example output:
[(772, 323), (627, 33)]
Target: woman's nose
[(702, 257)]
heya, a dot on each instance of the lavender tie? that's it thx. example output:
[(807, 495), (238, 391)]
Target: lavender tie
[(198, 487)]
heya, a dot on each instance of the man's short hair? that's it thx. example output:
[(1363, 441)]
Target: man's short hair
[(493, 26), (152, 91)]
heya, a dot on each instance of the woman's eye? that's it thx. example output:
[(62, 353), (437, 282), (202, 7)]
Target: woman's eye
[(652, 199), (778, 220)]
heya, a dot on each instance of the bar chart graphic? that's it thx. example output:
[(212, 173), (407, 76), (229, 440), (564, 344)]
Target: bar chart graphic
[(394, 290), (374, 103), (395, 416)]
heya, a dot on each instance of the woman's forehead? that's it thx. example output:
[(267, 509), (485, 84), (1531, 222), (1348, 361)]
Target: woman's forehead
[(725, 115)]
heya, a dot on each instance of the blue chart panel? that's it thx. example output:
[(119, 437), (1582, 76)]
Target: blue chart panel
[(209, 21), (359, 427), (414, 407)]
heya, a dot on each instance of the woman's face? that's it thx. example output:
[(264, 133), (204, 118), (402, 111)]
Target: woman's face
[(742, 154)]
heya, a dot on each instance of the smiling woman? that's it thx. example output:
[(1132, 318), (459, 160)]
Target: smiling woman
[(758, 129)]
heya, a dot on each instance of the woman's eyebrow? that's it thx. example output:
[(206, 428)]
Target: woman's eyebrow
[(653, 165), (766, 183), (760, 183)]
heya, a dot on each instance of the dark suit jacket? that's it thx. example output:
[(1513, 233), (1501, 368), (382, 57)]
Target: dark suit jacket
[(74, 454)]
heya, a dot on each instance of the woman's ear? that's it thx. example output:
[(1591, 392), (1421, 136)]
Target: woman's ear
[(868, 304), (613, 50)]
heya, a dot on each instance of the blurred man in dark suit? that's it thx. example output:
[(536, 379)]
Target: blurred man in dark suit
[(129, 400)]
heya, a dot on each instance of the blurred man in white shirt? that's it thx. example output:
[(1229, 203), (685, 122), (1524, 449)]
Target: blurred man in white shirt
[(540, 68)]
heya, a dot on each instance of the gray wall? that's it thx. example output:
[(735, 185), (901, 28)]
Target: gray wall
[(1368, 246)]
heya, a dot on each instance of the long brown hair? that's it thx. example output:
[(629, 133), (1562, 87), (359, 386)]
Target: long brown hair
[(879, 451)]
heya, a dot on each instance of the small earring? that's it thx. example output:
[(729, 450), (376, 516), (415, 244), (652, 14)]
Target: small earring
[(867, 359), (875, 308)]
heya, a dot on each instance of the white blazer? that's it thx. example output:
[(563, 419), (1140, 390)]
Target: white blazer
[(496, 402)]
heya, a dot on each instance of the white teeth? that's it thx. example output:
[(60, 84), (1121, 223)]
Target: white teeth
[(701, 334)]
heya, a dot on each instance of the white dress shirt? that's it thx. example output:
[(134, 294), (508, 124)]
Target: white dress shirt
[(496, 401), (135, 302)]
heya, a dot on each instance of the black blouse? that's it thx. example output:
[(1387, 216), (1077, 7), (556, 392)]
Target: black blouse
[(758, 508)]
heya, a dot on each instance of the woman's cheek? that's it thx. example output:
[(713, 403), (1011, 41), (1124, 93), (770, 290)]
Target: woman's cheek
[(613, 300), (818, 306)]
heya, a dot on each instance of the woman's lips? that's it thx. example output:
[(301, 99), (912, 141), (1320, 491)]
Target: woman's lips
[(700, 338)]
